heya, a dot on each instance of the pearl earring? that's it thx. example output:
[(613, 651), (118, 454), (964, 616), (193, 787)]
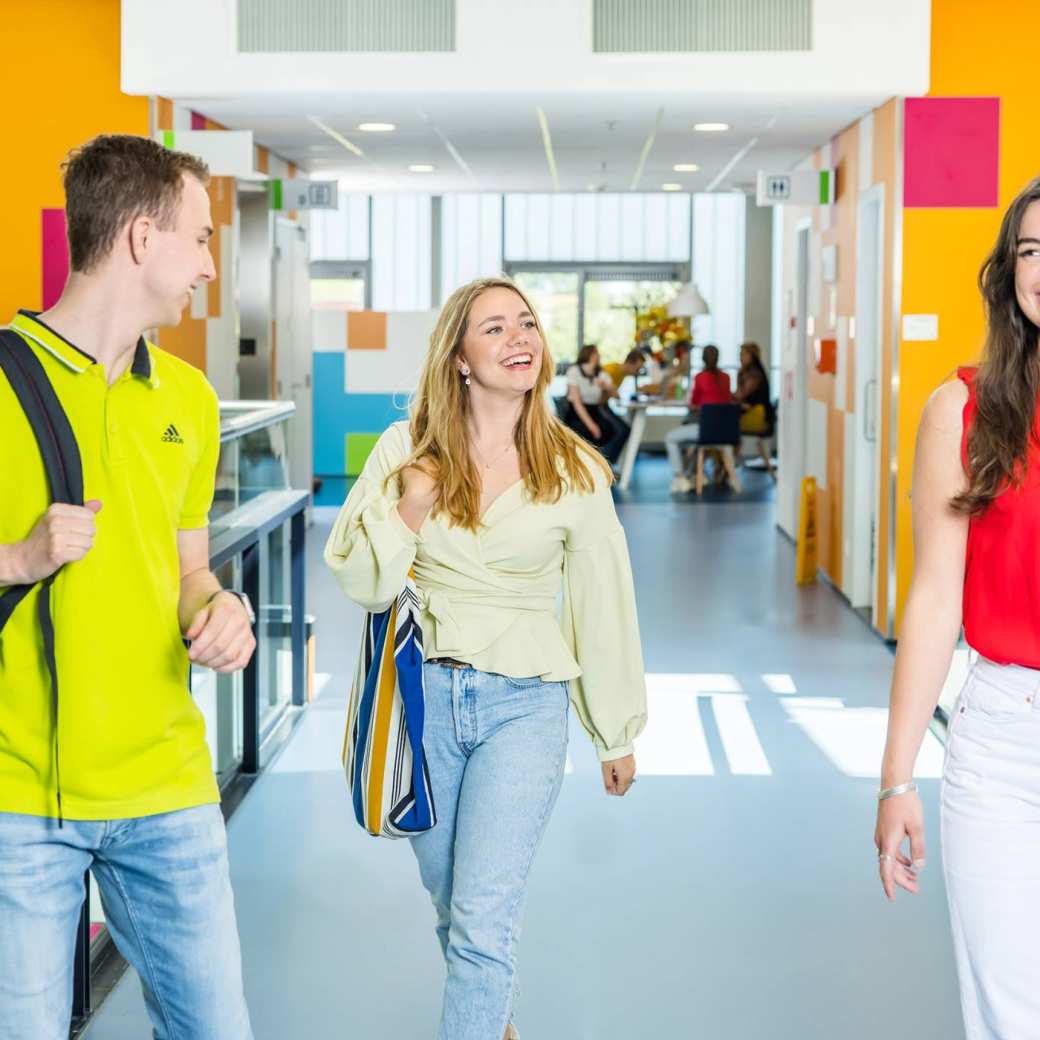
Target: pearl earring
[(465, 372)]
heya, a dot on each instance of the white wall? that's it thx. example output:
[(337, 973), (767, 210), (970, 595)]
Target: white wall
[(879, 48), (758, 313), (719, 242)]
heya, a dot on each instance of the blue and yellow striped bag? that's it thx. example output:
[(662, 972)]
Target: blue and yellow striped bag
[(383, 751)]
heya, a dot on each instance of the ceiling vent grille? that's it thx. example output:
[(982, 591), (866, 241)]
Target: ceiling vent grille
[(309, 26), (640, 26)]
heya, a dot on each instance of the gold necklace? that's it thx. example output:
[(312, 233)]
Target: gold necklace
[(487, 465)]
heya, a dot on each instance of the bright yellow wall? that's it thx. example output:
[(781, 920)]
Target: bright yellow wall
[(59, 85), (977, 51)]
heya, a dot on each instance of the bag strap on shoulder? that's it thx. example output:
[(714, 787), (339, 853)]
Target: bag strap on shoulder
[(53, 432)]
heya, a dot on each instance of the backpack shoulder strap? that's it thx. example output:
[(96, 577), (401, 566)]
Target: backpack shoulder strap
[(53, 432)]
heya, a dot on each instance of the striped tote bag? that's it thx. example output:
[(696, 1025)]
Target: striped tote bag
[(383, 751)]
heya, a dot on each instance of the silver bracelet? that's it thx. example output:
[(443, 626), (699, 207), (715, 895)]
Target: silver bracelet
[(891, 792)]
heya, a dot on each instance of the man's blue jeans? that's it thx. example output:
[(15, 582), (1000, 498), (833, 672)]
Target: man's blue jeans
[(496, 749), (166, 892)]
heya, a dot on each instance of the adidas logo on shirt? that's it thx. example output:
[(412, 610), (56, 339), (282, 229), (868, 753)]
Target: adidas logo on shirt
[(171, 436)]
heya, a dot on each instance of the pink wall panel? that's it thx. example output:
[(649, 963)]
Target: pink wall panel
[(952, 147), (55, 255)]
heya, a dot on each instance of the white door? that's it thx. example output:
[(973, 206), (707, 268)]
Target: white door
[(293, 346), (862, 482), (794, 393)]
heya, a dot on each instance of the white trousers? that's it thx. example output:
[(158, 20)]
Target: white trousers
[(991, 850)]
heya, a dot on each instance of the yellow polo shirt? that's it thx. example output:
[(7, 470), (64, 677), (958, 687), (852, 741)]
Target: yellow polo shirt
[(130, 738)]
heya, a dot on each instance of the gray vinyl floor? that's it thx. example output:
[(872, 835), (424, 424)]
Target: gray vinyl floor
[(732, 896)]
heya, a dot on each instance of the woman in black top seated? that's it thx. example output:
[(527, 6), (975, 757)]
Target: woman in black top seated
[(753, 392), (587, 413)]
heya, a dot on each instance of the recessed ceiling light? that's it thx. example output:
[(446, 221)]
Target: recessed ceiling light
[(710, 128), (671, 187), (421, 167), (686, 167), (377, 128)]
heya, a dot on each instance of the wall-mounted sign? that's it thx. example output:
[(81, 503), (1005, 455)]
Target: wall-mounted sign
[(227, 153), (802, 187), (302, 194), (920, 326)]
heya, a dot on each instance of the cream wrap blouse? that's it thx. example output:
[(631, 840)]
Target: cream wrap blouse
[(492, 598)]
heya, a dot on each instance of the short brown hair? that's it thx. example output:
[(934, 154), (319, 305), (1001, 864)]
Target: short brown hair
[(114, 179)]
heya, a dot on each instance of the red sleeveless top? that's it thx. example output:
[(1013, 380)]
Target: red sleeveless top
[(1001, 606)]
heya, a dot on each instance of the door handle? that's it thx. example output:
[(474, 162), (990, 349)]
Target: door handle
[(869, 430)]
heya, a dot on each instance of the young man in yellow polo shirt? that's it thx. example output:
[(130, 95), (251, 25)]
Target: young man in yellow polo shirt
[(115, 775)]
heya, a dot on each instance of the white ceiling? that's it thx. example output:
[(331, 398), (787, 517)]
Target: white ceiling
[(597, 137)]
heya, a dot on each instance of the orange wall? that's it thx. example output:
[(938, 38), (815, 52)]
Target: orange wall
[(975, 52), (48, 109)]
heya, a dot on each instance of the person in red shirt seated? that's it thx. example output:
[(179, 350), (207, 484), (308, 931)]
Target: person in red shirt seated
[(712, 386)]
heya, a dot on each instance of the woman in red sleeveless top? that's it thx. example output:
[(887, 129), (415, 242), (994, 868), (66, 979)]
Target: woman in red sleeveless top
[(976, 518)]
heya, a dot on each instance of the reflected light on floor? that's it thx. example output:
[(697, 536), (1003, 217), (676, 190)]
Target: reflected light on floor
[(853, 739), (673, 743), (693, 682), (780, 683), (743, 749)]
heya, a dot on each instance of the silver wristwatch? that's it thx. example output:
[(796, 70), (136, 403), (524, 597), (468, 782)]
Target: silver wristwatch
[(243, 598)]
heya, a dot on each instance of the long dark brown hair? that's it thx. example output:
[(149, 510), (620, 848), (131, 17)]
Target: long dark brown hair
[(1007, 384)]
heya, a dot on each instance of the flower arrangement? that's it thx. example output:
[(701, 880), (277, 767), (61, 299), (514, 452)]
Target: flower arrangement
[(656, 323)]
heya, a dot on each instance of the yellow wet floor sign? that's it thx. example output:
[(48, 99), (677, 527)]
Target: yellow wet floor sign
[(805, 559)]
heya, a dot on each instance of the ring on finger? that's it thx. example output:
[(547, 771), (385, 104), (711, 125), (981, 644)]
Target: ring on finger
[(884, 855)]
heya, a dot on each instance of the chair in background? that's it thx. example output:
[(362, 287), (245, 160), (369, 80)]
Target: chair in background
[(719, 432)]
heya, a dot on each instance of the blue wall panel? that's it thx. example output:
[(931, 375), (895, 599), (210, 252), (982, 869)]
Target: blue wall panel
[(337, 413)]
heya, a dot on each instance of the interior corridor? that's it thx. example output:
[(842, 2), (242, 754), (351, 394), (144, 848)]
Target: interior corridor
[(733, 895)]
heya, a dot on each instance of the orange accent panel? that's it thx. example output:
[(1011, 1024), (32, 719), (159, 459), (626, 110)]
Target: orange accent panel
[(163, 114), (293, 170), (54, 114), (212, 124), (943, 249), (366, 330), (263, 159), (187, 341), (828, 359), (221, 202)]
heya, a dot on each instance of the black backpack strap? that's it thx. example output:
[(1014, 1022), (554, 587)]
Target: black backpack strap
[(64, 469), (50, 425)]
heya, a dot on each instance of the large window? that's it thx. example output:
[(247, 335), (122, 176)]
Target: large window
[(595, 303), (611, 308), (555, 295)]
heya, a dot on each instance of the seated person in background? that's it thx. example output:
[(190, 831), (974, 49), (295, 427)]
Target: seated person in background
[(586, 413), (753, 391), (712, 386), (676, 366), (620, 370)]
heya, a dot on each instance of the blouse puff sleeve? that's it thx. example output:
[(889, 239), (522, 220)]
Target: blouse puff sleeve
[(371, 548), (601, 628)]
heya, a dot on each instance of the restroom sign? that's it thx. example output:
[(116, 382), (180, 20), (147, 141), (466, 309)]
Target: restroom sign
[(778, 188), (802, 187)]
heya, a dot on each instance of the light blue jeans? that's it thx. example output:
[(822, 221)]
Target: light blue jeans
[(496, 749), (166, 892)]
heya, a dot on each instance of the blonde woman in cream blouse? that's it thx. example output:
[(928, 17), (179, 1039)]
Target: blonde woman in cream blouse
[(499, 508)]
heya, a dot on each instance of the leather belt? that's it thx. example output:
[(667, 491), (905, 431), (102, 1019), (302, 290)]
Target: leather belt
[(449, 662)]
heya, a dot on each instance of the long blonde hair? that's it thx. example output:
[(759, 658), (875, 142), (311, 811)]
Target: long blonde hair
[(552, 458)]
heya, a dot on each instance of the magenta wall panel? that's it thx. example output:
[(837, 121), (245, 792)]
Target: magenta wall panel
[(198, 122), (55, 255), (952, 152)]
